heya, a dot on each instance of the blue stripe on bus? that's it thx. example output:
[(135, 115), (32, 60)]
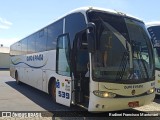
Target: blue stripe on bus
[(29, 65)]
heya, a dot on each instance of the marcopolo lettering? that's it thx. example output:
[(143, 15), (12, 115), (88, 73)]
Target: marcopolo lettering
[(35, 57)]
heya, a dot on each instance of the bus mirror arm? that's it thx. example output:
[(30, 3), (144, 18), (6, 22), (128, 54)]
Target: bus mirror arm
[(91, 37)]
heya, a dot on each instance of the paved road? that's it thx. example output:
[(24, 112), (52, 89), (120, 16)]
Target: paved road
[(22, 97)]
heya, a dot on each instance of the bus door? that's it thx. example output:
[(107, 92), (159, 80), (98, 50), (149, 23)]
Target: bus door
[(81, 69), (63, 78)]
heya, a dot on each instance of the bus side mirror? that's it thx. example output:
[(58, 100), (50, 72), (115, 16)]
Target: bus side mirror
[(91, 37)]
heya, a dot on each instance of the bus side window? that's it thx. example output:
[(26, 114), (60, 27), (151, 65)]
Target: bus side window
[(62, 59)]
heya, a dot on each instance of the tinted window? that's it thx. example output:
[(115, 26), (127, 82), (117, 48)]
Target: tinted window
[(41, 40), (63, 61), (154, 32), (24, 46), (157, 57), (155, 35), (31, 43), (54, 30), (74, 23), (19, 48), (13, 49)]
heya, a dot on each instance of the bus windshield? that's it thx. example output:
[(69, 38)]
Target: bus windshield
[(157, 57), (154, 32), (123, 50)]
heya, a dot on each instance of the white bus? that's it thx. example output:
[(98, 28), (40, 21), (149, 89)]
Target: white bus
[(98, 59), (154, 31)]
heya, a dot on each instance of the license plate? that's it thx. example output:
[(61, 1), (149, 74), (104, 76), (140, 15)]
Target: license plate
[(133, 104)]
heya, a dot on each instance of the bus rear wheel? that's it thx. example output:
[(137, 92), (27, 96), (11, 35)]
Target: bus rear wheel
[(53, 90), (16, 77)]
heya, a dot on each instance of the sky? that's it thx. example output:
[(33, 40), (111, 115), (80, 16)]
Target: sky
[(20, 18)]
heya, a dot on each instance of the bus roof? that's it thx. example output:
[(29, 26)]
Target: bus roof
[(84, 9), (154, 23)]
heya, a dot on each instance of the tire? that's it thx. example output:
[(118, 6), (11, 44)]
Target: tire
[(16, 77), (53, 90)]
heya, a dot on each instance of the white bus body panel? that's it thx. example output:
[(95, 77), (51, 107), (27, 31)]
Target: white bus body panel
[(98, 104), (37, 73), (63, 90)]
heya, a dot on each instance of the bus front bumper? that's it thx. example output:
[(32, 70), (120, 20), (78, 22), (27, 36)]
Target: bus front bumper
[(98, 104)]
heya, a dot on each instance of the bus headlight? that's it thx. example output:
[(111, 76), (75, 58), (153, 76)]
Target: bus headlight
[(104, 94), (151, 90)]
